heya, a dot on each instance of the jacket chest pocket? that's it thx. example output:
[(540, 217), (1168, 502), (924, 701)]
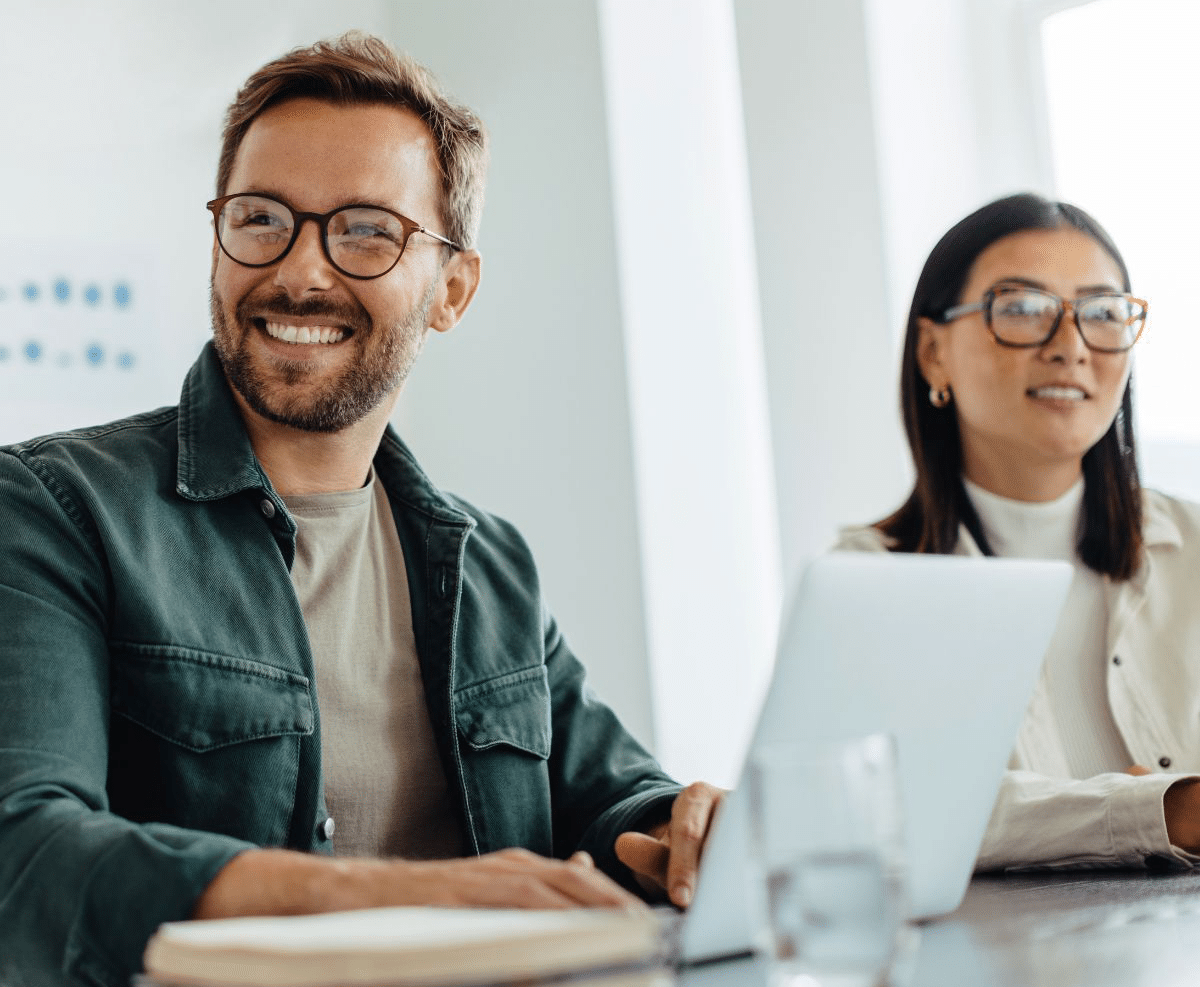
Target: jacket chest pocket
[(504, 729), (512, 711), (205, 741)]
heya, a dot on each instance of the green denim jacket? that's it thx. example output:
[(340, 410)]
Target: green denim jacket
[(157, 703)]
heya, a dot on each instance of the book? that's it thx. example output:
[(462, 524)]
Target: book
[(410, 947)]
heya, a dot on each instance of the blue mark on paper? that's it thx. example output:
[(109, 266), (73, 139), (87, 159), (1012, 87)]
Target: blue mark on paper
[(95, 354), (33, 351), (122, 295), (31, 291)]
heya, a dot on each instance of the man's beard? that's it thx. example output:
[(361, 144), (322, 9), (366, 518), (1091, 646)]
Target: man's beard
[(345, 398)]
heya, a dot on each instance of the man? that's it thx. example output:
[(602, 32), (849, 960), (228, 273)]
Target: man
[(180, 588)]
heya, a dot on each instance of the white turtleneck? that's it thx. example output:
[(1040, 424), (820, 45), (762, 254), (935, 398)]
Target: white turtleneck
[(1075, 668)]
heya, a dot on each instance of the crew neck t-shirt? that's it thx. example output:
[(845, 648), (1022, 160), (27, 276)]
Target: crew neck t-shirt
[(384, 783)]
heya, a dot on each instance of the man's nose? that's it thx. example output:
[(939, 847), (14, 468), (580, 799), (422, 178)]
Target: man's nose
[(305, 267)]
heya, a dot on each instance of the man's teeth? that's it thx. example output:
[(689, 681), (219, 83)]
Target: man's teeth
[(1059, 393), (304, 334)]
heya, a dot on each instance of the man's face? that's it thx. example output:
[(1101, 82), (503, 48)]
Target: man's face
[(317, 157)]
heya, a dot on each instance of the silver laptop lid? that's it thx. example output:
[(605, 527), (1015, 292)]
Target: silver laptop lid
[(942, 652)]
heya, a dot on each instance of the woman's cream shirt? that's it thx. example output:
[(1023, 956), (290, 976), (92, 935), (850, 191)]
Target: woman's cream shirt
[(1043, 817)]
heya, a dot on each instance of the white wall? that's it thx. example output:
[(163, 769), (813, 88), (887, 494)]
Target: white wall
[(702, 442), (819, 230)]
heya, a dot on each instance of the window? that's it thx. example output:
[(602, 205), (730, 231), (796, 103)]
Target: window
[(1123, 87)]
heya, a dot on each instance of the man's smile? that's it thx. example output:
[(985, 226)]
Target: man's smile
[(304, 334)]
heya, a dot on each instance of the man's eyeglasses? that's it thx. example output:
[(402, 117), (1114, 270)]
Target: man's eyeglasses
[(360, 241), (1110, 322)]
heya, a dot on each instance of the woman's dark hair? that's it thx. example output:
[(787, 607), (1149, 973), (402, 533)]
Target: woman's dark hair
[(1110, 539)]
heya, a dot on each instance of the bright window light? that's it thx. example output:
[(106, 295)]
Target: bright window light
[(1123, 88)]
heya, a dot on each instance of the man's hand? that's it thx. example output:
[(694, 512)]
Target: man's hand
[(667, 858), (285, 882), (516, 879)]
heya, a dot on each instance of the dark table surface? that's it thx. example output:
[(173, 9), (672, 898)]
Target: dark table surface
[(1076, 929)]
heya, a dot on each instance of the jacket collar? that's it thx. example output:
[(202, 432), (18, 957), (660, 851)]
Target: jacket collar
[(215, 456), (1159, 529), (1158, 526), (216, 459)]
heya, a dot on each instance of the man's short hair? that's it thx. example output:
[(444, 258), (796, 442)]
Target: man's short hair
[(357, 69)]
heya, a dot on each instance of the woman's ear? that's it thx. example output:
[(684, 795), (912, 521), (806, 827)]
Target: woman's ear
[(931, 342)]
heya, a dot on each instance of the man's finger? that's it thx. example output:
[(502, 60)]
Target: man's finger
[(644, 855), (691, 818), (586, 885)]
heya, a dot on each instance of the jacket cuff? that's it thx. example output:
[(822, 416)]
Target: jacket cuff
[(106, 942), (631, 814)]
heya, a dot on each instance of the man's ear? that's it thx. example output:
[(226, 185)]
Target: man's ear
[(931, 338), (459, 282)]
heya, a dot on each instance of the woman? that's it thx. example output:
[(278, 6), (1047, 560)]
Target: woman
[(1015, 390)]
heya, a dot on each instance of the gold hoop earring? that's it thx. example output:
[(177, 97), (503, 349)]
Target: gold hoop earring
[(939, 397)]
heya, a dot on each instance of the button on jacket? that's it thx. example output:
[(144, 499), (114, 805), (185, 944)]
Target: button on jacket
[(158, 712), (1043, 817)]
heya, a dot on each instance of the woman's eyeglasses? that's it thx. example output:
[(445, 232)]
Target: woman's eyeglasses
[(1110, 322)]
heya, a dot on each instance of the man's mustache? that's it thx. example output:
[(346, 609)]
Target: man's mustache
[(278, 303)]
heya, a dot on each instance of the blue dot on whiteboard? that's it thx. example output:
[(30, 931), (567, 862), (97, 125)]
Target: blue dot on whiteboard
[(3, 294), (122, 296), (91, 294), (30, 291), (33, 351), (3, 354), (125, 361), (62, 290), (95, 355)]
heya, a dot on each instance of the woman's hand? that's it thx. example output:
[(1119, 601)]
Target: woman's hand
[(1181, 807)]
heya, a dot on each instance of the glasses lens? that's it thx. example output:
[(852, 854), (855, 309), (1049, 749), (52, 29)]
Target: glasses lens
[(365, 242), (1110, 322), (1022, 315), (254, 230)]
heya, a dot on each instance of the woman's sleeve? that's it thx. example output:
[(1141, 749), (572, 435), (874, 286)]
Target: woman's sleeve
[(1110, 820)]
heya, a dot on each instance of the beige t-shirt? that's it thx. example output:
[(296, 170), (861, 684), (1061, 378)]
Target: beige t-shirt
[(384, 783)]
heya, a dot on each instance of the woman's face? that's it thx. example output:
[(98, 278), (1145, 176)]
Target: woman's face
[(1027, 416)]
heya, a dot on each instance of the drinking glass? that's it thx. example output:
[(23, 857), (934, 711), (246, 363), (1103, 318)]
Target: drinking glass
[(828, 850)]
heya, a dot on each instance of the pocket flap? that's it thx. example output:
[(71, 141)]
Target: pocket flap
[(512, 709), (203, 701)]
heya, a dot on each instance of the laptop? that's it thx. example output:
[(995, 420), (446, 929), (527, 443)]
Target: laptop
[(942, 652)]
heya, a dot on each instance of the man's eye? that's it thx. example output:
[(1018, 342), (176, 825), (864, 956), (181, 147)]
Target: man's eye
[(257, 219), (365, 231)]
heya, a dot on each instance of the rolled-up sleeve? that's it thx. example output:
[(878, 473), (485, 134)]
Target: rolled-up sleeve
[(1109, 820)]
